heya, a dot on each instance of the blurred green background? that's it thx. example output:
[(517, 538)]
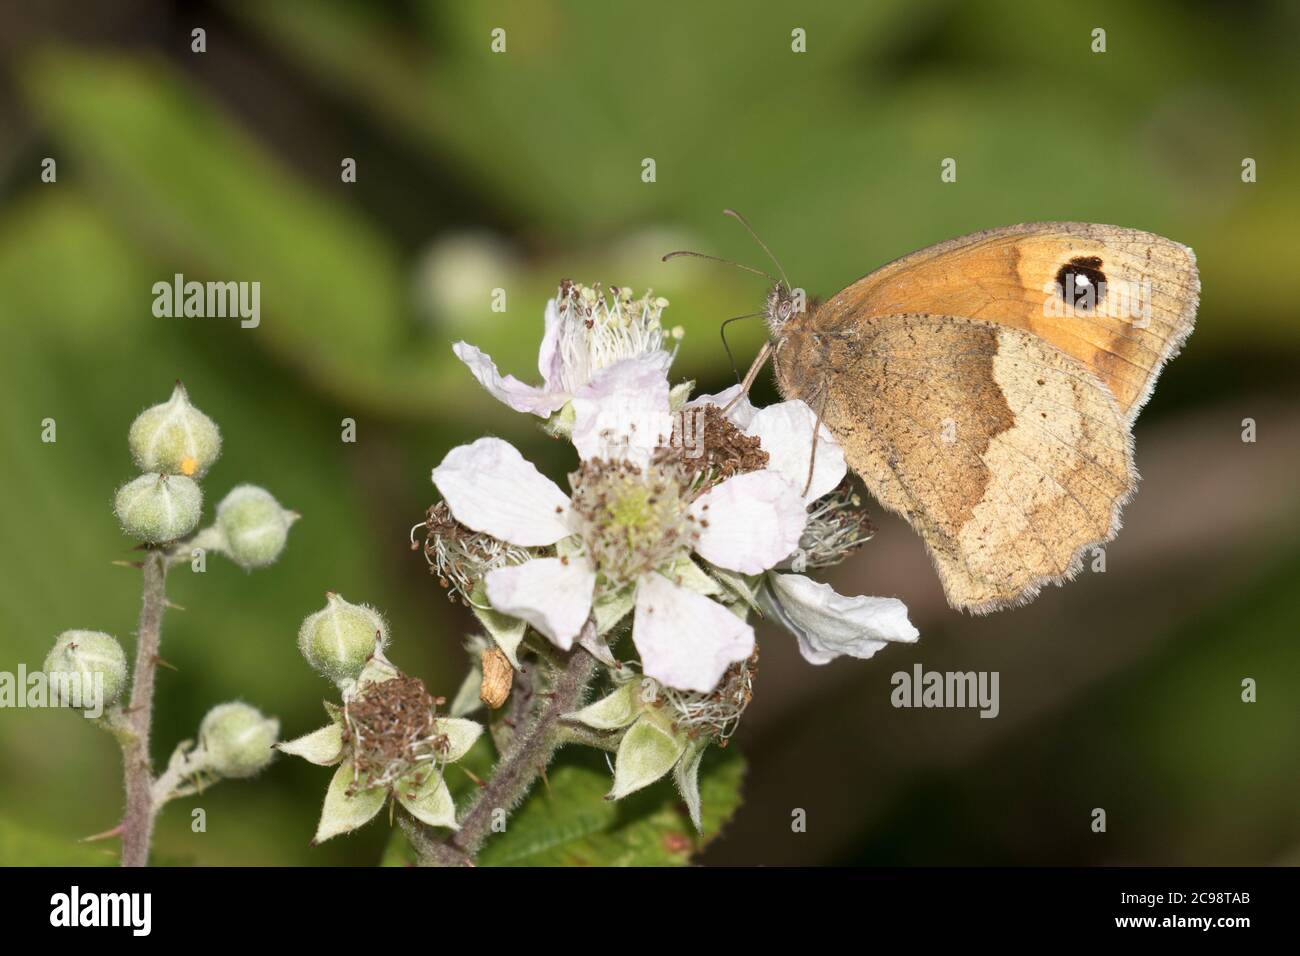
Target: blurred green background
[(479, 170)]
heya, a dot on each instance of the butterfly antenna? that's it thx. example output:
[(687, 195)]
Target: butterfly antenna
[(750, 229), (700, 255), (734, 367)]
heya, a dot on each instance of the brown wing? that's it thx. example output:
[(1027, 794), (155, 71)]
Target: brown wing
[(1009, 276), (1007, 455)]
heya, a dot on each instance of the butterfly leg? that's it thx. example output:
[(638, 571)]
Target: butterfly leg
[(752, 374), (817, 431)]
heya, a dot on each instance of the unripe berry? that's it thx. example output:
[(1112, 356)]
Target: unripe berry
[(236, 739), (75, 660), (339, 639), (157, 508), (175, 438), (253, 526)]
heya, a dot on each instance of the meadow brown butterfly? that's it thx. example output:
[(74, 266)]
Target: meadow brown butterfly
[(985, 389)]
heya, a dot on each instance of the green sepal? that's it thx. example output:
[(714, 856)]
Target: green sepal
[(646, 753)]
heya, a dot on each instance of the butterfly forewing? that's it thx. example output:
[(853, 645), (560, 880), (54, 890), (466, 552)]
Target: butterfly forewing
[(1120, 301)]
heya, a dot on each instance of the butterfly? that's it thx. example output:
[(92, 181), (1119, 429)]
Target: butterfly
[(985, 389)]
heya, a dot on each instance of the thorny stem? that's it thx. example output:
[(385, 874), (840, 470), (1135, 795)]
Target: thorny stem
[(138, 821), (524, 758)]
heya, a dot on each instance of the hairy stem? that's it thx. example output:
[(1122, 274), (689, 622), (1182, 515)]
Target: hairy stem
[(137, 823), (525, 756)]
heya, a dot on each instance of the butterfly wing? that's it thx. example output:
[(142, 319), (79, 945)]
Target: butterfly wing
[(1011, 276), (1008, 455)]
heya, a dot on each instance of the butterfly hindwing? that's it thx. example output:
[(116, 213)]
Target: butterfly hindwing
[(1006, 454)]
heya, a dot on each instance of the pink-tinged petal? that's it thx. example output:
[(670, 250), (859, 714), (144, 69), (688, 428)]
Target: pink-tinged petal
[(750, 522), (830, 625), (520, 396), (622, 413), (786, 431), (686, 640), (549, 360), (491, 488), (551, 594), (740, 414)]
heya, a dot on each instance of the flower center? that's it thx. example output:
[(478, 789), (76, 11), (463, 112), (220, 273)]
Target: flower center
[(838, 525), (598, 330), (389, 730), (714, 715), (631, 521)]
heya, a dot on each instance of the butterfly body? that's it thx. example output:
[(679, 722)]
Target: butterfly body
[(992, 416)]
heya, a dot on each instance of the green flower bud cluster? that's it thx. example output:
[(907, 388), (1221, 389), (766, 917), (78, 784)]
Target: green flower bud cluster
[(78, 662), (236, 740), (252, 526), (173, 444), (340, 639)]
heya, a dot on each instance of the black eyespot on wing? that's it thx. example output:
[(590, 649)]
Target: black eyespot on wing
[(1081, 283)]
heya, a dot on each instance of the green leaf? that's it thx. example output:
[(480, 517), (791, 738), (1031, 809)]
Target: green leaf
[(398, 850), (23, 846), (569, 823)]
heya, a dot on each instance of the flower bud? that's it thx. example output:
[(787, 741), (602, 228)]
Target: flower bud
[(339, 639), (77, 661), (236, 739), (175, 438), (253, 526), (157, 508)]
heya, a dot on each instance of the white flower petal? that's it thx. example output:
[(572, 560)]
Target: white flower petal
[(622, 413), (520, 396), (786, 431), (749, 522), (741, 414), (490, 487), (686, 640), (549, 360), (830, 625), (551, 594)]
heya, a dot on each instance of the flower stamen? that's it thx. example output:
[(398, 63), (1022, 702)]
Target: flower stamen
[(390, 729), (458, 556)]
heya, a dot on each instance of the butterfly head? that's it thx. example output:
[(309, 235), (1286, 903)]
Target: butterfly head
[(783, 304)]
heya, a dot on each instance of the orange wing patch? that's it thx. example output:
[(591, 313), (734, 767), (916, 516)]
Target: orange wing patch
[(1120, 301)]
